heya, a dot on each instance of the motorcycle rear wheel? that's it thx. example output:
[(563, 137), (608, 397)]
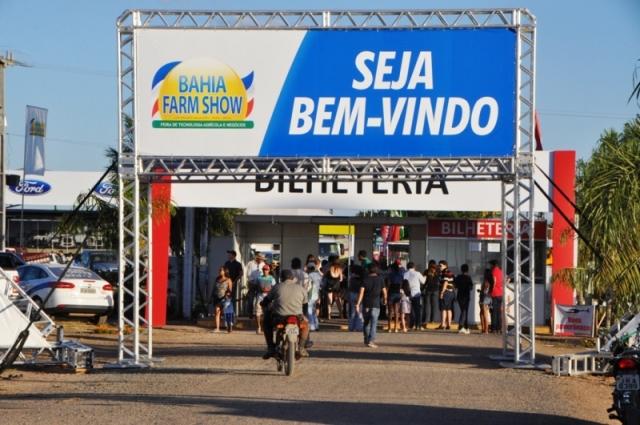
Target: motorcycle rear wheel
[(631, 416), (290, 357)]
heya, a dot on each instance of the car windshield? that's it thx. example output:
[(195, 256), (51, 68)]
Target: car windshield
[(74, 273), (8, 260), (106, 257)]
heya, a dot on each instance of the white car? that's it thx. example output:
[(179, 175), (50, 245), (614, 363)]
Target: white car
[(9, 262), (79, 291)]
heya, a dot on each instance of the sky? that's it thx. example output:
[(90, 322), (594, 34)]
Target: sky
[(587, 52)]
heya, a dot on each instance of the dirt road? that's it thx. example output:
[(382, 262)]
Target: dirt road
[(421, 378)]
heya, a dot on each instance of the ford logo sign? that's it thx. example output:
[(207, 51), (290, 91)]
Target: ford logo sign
[(106, 190), (31, 187)]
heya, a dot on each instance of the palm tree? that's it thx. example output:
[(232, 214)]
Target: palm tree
[(636, 84), (608, 193)]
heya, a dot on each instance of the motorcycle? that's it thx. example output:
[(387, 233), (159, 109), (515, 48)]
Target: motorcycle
[(626, 394), (287, 335), (626, 371)]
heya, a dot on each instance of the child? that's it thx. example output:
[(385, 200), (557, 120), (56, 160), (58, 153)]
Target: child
[(227, 306), (405, 310), (315, 278)]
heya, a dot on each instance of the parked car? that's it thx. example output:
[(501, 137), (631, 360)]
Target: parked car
[(80, 290), (104, 262), (9, 262)]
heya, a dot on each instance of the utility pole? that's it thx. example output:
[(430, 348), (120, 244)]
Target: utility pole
[(5, 61)]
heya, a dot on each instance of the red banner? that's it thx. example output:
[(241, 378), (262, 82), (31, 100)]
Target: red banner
[(485, 229), (564, 175), (161, 232)]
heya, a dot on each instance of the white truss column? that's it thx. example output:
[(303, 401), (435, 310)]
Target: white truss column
[(507, 263), (136, 271), (149, 273), (132, 274), (518, 210)]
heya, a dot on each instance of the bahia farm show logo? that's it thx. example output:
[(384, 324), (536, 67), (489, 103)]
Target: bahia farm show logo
[(30, 187), (201, 93)]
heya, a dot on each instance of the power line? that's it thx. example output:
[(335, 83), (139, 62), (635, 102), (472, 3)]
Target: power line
[(68, 141), (73, 70), (586, 115)]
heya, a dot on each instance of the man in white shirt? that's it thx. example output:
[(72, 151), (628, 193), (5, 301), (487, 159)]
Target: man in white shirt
[(254, 270), (415, 279)]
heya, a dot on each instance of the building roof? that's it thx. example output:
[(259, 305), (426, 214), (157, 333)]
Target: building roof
[(276, 219)]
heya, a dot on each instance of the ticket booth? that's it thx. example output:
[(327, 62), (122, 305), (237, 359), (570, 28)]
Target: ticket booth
[(475, 242)]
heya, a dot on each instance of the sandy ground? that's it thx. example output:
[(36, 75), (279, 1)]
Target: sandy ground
[(426, 377)]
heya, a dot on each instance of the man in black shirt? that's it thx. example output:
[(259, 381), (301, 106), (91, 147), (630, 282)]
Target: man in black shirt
[(235, 269), (369, 297), (431, 301), (464, 285)]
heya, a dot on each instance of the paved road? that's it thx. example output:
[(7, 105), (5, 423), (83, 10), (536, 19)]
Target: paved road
[(421, 378)]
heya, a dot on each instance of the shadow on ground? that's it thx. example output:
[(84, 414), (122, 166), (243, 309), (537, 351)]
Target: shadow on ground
[(454, 355), (321, 412), (440, 354)]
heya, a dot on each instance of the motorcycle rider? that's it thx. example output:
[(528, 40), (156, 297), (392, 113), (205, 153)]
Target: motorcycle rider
[(287, 298)]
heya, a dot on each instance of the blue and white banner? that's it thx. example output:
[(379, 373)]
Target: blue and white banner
[(34, 134), (347, 93), (57, 190)]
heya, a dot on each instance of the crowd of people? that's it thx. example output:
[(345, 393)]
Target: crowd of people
[(412, 299), (360, 292)]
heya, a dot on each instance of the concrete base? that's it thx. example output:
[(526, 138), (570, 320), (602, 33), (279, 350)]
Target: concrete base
[(126, 365), (152, 360), (526, 366), (506, 361), (501, 357)]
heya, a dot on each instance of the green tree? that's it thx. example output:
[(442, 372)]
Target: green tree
[(636, 84), (608, 194), (103, 219), (99, 214), (221, 220)]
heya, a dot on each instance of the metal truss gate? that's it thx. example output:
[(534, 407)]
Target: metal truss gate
[(135, 172)]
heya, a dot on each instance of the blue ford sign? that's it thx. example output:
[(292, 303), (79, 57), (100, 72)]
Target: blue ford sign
[(31, 187), (106, 190)]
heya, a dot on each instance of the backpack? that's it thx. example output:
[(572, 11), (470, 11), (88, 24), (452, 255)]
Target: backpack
[(333, 283), (394, 282)]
